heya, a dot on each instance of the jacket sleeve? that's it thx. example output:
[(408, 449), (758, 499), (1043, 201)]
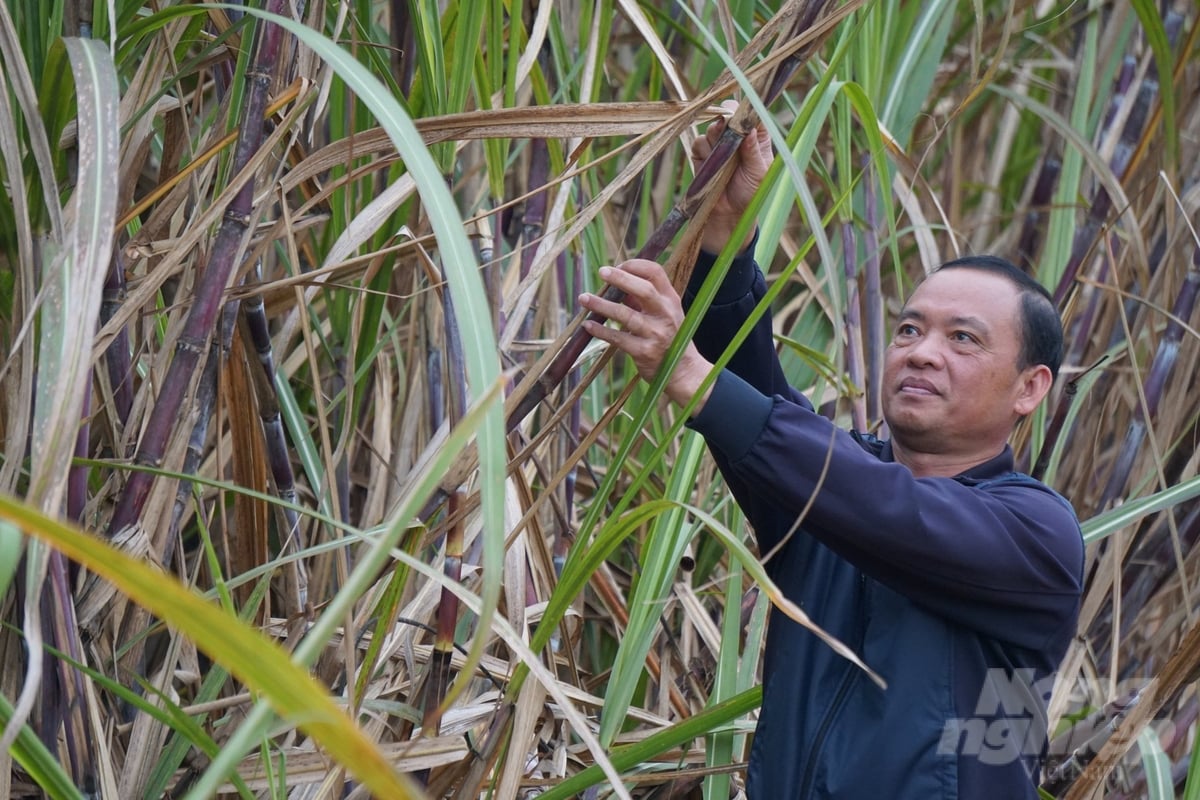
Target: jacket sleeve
[(1005, 560)]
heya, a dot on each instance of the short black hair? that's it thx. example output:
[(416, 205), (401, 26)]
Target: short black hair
[(1041, 329)]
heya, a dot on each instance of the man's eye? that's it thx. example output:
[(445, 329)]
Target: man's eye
[(906, 330), (962, 337)]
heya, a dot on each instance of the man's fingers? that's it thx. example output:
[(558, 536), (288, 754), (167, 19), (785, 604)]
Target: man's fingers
[(617, 312), (649, 271)]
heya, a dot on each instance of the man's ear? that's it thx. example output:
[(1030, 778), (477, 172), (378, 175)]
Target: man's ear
[(1035, 383)]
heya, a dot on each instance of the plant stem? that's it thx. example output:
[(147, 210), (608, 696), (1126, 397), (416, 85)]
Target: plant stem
[(226, 252), (710, 178)]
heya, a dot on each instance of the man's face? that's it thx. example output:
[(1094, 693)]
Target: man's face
[(950, 378)]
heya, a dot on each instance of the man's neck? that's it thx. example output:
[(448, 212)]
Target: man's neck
[(941, 465)]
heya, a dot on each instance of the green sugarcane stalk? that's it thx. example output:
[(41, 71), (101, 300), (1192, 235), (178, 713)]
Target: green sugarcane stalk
[(226, 252), (710, 180)]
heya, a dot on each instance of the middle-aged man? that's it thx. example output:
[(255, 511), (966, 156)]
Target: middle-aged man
[(953, 576)]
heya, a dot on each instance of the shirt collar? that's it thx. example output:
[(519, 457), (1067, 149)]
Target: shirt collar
[(1000, 464)]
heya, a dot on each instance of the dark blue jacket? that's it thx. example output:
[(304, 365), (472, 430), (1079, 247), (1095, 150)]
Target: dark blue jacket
[(962, 593)]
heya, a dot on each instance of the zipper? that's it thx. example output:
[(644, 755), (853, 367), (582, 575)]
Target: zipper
[(839, 697)]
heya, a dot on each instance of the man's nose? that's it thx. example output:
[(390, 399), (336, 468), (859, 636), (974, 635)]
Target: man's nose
[(926, 352)]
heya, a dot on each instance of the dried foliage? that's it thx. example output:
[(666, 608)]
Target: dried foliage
[(292, 303)]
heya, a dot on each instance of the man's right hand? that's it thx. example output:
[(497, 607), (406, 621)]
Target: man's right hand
[(753, 158)]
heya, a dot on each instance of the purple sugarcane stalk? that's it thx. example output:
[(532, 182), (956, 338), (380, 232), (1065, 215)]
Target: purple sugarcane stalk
[(206, 393), (440, 671), (404, 62), (1096, 217), (710, 177), (1059, 778), (282, 476), (116, 357), (1156, 381), (533, 220), (226, 251), (1122, 155), (562, 540), (1031, 228), (63, 690), (874, 304), (855, 365)]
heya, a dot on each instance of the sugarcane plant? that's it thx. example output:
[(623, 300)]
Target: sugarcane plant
[(312, 483)]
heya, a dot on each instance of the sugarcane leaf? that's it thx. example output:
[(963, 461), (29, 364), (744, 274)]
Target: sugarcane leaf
[(466, 286), (1156, 35), (11, 544), (1109, 522), (1060, 236), (1156, 765), (660, 556), (74, 277), (20, 83), (1191, 787), (28, 751), (913, 73), (629, 756), (252, 657)]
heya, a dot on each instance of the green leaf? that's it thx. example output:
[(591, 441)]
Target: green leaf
[(34, 758), (1156, 35), (659, 567), (1102, 525), (624, 758), (11, 544), (254, 659), (74, 276), (1157, 766)]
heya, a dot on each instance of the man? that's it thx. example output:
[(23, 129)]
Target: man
[(954, 577)]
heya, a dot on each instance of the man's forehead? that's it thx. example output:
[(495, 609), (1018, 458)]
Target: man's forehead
[(963, 295)]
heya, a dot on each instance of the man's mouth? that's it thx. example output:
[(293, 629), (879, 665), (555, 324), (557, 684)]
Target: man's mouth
[(918, 387)]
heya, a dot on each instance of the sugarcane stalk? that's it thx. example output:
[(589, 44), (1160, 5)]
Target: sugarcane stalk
[(1103, 723), (710, 179), (1156, 380), (564, 533), (206, 393), (404, 61), (873, 303), (1097, 214), (1101, 206), (116, 357), (533, 219), (440, 671), (283, 477), (226, 253), (1029, 239), (63, 690), (855, 361)]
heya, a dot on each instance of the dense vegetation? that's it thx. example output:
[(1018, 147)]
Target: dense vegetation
[(279, 515)]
